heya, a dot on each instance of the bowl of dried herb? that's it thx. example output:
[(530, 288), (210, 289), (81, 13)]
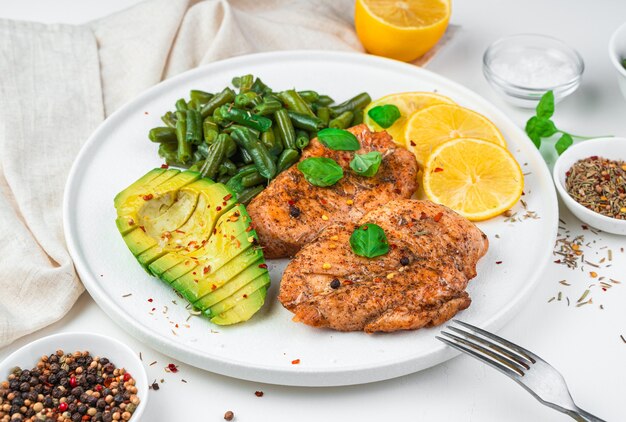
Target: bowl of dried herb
[(591, 180)]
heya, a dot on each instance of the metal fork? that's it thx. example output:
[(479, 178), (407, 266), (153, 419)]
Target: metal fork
[(536, 375)]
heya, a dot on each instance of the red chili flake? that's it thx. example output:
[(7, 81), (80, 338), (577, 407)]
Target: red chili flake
[(86, 418), (412, 143), (248, 229), (107, 382), (227, 197), (323, 201), (176, 325), (263, 266), (63, 406), (150, 300), (131, 222), (423, 216), (218, 208), (348, 282), (291, 202), (224, 203), (438, 216), (99, 387), (437, 170), (498, 262), (258, 393), (126, 376), (364, 228), (604, 289), (585, 227), (195, 280), (397, 191), (206, 269), (213, 287), (245, 296), (558, 261), (295, 362), (179, 231), (73, 382), (194, 273), (142, 228), (173, 368), (148, 197), (153, 309), (593, 157), (164, 166)]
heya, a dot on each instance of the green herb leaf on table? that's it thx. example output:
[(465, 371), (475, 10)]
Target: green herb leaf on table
[(366, 164), (538, 128), (338, 139), (369, 240), (545, 108), (563, 143), (384, 115), (321, 171)]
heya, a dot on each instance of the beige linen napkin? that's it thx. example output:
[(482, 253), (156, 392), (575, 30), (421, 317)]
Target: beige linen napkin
[(58, 82)]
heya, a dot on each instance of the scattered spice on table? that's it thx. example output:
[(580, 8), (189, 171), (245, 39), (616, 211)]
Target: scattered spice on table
[(258, 393), (229, 415), (599, 184), (69, 387), (154, 385)]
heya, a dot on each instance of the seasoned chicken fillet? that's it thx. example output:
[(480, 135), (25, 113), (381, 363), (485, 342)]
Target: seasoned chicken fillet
[(290, 212), (421, 281)]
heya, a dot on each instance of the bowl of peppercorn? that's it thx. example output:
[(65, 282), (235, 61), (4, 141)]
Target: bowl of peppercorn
[(590, 177), (73, 377)]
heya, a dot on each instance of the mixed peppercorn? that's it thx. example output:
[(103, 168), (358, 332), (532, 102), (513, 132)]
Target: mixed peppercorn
[(69, 388)]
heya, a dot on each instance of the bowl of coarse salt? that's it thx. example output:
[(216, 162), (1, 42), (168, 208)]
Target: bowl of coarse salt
[(524, 67)]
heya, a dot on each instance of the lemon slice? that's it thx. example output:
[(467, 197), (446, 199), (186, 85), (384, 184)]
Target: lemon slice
[(407, 103), (476, 178), (401, 29), (432, 126)]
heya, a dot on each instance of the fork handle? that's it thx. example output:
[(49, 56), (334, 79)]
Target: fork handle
[(584, 416)]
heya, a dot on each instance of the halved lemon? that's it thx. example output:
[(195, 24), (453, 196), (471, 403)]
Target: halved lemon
[(476, 178), (401, 29), (432, 126), (407, 103)]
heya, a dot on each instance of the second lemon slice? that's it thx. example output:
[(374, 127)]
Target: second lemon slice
[(428, 128), (407, 103)]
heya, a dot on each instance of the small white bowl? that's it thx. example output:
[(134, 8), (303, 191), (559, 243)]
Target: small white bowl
[(617, 52), (118, 353), (609, 148)]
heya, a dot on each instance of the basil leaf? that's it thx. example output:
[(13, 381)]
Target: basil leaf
[(538, 128), (545, 108), (338, 139), (563, 143), (321, 171), (369, 240), (366, 164), (384, 115)]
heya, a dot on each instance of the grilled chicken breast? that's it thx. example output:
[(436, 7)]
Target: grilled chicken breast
[(290, 212), (420, 282)]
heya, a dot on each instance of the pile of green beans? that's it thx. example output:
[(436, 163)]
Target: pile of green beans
[(244, 137)]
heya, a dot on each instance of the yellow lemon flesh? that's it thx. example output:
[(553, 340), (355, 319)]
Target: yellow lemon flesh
[(476, 178), (407, 103), (432, 126), (401, 29)]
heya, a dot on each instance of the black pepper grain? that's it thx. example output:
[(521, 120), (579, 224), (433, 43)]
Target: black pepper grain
[(294, 211), (404, 261), (335, 283)]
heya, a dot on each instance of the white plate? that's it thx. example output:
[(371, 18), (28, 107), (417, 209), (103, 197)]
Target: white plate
[(263, 348)]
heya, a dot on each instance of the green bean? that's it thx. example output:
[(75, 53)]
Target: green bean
[(168, 151), (169, 119), (181, 115), (245, 155), (200, 97), (215, 157), (162, 134), (247, 99), (357, 119), (287, 158), (252, 179), (197, 156), (194, 127), (230, 128), (204, 148), (309, 96), (342, 121), (302, 121), (229, 166), (360, 101), (231, 147), (197, 166), (224, 97), (323, 113), (244, 83), (245, 196), (181, 105), (184, 148), (246, 118), (278, 138), (235, 182), (302, 139), (210, 129), (261, 157), (246, 168), (287, 132), (268, 106), (259, 87), (223, 179), (324, 101), (293, 102), (273, 146)]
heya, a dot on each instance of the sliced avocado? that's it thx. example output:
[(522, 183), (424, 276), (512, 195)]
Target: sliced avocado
[(189, 232)]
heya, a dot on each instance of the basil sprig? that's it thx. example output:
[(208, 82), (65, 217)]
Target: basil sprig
[(321, 171), (366, 164), (384, 115), (338, 139), (369, 240), (541, 126)]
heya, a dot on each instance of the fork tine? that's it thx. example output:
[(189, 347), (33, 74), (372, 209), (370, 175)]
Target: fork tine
[(520, 350), (514, 365), (494, 364), (518, 358)]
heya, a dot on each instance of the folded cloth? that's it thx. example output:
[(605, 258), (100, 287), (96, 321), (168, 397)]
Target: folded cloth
[(60, 81)]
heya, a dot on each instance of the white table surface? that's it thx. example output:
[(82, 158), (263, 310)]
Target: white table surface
[(582, 342)]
